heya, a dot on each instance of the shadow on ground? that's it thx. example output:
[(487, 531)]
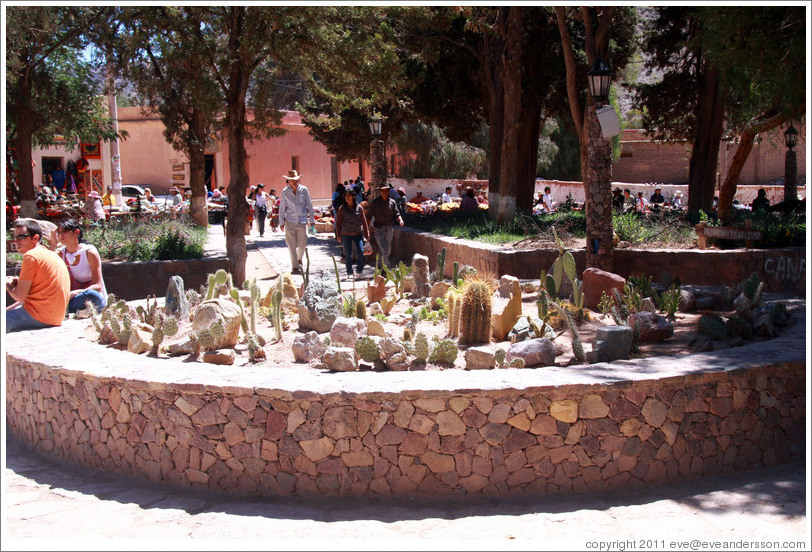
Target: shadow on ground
[(777, 490)]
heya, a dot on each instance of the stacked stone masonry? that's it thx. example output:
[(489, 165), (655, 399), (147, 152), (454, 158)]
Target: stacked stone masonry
[(556, 439)]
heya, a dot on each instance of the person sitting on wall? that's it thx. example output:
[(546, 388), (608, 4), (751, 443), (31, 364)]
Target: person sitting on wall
[(677, 202), (617, 200), (761, 201), (419, 198), (641, 205), (108, 199), (84, 266), (148, 195), (482, 198), (447, 195), (40, 292), (469, 203), (656, 199), (628, 201)]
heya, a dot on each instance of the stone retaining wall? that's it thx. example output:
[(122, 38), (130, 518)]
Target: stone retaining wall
[(536, 440), (138, 280), (783, 270)]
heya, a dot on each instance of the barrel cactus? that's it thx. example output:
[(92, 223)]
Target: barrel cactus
[(475, 311)]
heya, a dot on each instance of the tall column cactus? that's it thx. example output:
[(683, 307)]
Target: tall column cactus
[(454, 303), (276, 310), (475, 312)]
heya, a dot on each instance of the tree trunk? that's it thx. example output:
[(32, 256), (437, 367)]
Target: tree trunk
[(22, 143), (705, 149), (528, 157), (790, 176), (598, 188), (728, 189), (505, 206), (235, 123), (197, 170), (493, 82)]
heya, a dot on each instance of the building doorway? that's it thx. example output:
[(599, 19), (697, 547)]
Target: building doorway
[(209, 178), (49, 165)]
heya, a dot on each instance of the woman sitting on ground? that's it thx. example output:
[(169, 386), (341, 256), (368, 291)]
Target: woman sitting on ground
[(352, 228), (84, 266)]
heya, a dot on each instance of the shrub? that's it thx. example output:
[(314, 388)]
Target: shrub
[(148, 241)]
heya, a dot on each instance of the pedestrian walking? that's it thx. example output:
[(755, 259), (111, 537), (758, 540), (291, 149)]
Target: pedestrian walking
[(295, 210), (383, 214)]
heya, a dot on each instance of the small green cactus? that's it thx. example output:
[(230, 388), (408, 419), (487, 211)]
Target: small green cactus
[(367, 349), (421, 347), (255, 350), (499, 355), (407, 335), (361, 309), (276, 306), (444, 351)]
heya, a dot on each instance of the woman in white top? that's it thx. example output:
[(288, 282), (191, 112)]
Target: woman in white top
[(84, 266), (261, 208)]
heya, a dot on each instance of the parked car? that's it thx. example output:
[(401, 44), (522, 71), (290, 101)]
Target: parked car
[(132, 190)]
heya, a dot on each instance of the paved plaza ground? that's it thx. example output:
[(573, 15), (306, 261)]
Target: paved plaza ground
[(49, 505)]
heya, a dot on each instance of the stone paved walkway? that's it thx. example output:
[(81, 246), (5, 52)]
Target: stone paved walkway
[(50, 506)]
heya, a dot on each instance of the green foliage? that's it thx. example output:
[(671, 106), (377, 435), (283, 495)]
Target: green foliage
[(148, 241), (436, 155)]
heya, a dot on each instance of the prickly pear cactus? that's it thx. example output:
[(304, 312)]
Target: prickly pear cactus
[(367, 349)]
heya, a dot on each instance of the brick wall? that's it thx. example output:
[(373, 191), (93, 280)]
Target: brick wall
[(644, 160)]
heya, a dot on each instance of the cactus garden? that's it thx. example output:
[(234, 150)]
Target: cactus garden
[(437, 314)]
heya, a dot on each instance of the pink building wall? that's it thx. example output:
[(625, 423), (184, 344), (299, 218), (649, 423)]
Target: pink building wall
[(147, 159)]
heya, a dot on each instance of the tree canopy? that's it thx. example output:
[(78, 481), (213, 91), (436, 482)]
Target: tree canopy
[(50, 88)]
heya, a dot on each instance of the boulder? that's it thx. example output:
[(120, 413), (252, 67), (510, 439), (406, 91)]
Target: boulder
[(648, 305), (376, 290), (687, 301), (180, 347), (421, 287), (394, 354), (308, 346), (438, 291), (479, 358), (651, 327), (345, 331), (610, 343), (219, 309), (535, 352), (140, 339), (597, 281), (522, 330), (340, 359), (223, 356), (506, 307), (290, 294), (320, 304), (176, 303)]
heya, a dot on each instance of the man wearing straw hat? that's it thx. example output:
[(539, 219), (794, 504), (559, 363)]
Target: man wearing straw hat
[(295, 210)]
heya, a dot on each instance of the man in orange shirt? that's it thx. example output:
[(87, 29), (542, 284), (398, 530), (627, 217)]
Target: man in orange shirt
[(41, 290)]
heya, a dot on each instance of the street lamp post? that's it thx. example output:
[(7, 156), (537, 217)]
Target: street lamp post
[(377, 156), (598, 177), (790, 165)]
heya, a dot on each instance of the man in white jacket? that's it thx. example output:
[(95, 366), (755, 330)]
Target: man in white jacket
[(295, 210)]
